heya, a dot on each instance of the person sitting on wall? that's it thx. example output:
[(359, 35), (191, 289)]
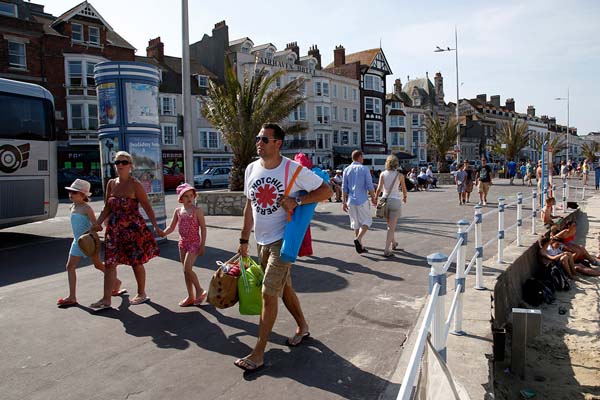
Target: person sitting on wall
[(566, 236)]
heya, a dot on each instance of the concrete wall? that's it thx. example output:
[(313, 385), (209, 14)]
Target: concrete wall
[(221, 202)]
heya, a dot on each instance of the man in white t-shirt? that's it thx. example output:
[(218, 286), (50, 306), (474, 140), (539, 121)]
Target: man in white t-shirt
[(266, 212)]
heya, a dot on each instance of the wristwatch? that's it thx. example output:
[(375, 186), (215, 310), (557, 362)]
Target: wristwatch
[(298, 201)]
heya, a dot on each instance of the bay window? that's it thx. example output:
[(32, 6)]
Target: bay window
[(372, 132), (208, 139)]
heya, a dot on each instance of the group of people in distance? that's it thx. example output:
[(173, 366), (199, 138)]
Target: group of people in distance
[(466, 178)]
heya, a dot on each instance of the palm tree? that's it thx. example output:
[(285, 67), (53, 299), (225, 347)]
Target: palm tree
[(589, 150), (440, 138), (239, 109), (514, 135), (555, 142)]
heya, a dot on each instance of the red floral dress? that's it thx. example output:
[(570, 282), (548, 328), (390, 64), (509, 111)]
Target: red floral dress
[(128, 239), (189, 237)]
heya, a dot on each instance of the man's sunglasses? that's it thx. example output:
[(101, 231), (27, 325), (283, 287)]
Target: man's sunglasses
[(121, 162), (265, 139)]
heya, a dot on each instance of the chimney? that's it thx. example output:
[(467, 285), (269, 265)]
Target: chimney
[(293, 46), (495, 100), (155, 49), (314, 51), (531, 111), (219, 25), (482, 98), (510, 104), (397, 87), (439, 88), (339, 56)]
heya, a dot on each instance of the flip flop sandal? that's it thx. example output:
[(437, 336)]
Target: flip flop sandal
[(62, 302), (250, 366), (187, 303), (118, 292), (99, 306), (200, 299), (297, 340), (139, 300)]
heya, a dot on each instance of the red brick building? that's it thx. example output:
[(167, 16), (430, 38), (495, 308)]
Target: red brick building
[(60, 53)]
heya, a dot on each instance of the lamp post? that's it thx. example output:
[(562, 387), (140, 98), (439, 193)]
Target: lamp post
[(568, 112), (438, 49)]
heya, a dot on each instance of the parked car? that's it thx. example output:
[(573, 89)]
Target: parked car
[(65, 177), (213, 176), (172, 179)]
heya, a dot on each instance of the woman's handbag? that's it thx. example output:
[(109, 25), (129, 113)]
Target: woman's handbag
[(382, 206), (223, 288), (250, 287)]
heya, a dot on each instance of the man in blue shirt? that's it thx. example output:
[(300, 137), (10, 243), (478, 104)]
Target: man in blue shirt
[(357, 186), (512, 170)]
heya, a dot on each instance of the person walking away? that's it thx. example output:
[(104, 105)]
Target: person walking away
[(564, 170), (470, 179), (391, 181), (585, 170), (128, 239), (529, 172), (511, 166), (266, 211), (523, 172), (192, 243), (597, 174), (460, 178), (483, 179), (82, 218), (538, 175), (357, 186)]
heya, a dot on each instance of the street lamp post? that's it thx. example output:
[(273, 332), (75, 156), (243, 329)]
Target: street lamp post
[(438, 49), (568, 112)]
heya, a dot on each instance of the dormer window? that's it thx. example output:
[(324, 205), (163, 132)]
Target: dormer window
[(269, 54), (246, 47), (202, 81), (395, 105), (94, 35), (8, 9), (291, 59), (77, 32)]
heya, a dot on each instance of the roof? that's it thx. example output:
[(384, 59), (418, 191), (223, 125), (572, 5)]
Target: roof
[(174, 64), (425, 89), (263, 46), (85, 9), (240, 41), (47, 25), (364, 57)]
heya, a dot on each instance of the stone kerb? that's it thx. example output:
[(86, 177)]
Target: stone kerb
[(221, 202)]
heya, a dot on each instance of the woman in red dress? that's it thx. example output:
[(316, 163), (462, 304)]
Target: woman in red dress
[(128, 240)]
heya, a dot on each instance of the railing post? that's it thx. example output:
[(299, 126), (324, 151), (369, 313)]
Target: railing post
[(564, 196), (519, 217), (583, 193), (552, 195), (500, 229), (544, 196), (438, 323), (479, 249), (461, 256), (533, 212)]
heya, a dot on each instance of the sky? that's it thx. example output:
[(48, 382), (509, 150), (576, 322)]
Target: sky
[(529, 50)]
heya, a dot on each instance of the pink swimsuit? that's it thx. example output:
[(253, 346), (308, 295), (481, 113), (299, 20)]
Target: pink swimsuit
[(189, 236)]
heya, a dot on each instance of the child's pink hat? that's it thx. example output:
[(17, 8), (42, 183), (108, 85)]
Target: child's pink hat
[(181, 189)]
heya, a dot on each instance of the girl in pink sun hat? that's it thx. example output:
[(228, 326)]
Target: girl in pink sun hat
[(191, 242)]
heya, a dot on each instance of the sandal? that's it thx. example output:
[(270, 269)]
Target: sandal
[(139, 300), (118, 292), (200, 299), (186, 303), (63, 302), (99, 306), (247, 365), (297, 339)]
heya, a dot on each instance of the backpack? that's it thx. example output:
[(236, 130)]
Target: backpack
[(533, 292), (556, 277)]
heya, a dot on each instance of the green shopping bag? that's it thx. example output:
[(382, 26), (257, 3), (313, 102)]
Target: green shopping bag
[(250, 286)]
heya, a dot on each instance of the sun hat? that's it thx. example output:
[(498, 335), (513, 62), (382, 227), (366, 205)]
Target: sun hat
[(181, 189), (89, 243), (79, 185)]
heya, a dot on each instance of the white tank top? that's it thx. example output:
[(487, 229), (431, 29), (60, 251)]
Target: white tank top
[(388, 179)]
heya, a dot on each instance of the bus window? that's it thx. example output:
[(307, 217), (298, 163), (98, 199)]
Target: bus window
[(24, 118), (379, 161), (367, 161)]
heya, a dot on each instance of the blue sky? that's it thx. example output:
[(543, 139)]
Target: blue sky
[(530, 50)]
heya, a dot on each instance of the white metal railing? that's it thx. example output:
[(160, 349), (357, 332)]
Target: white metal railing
[(433, 320)]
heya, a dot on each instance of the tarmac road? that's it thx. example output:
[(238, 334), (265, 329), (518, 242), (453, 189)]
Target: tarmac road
[(360, 309)]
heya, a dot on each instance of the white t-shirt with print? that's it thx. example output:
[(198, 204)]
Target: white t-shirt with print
[(265, 187)]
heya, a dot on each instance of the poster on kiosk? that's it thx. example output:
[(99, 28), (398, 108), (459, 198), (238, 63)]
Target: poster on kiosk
[(128, 120)]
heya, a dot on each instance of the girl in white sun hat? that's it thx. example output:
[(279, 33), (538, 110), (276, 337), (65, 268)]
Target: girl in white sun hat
[(82, 218)]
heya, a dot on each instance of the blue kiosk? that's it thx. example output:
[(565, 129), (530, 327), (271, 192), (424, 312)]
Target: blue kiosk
[(128, 120)]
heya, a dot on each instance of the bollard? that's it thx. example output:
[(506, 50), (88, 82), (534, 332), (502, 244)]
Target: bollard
[(564, 197), (533, 213), (552, 195), (519, 216), (438, 323), (583, 193), (479, 249), (461, 256), (500, 229)]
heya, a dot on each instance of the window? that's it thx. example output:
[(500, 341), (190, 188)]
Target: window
[(334, 113), (94, 35), (336, 139), (167, 105), (83, 116), (395, 105), (168, 133), (323, 141), (372, 105), (8, 9), (278, 82), (345, 114), (246, 47), (77, 32), (373, 82), (415, 120), (334, 91), (354, 94), (354, 115), (397, 139), (209, 139), (355, 138), (345, 138), (322, 114), (396, 121), (202, 81), (345, 92), (322, 89), (373, 132), (269, 54), (16, 55), (74, 69), (91, 82), (299, 113)]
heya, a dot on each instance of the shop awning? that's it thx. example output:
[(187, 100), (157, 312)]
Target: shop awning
[(401, 155), (343, 151)]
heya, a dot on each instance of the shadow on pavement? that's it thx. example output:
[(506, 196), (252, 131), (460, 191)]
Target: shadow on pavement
[(349, 267)]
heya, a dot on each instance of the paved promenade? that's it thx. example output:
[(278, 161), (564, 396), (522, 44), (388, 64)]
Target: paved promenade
[(360, 309)]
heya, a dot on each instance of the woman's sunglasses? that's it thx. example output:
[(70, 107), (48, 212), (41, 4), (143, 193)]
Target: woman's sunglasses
[(265, 139), (121, 162)]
